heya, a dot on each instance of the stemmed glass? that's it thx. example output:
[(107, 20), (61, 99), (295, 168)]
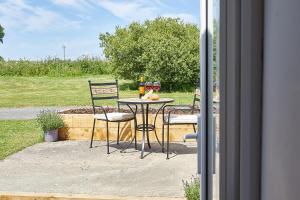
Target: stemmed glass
[(156, 86), (148, 86)]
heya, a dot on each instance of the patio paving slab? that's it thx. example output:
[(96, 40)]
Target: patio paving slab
[(70, 167)]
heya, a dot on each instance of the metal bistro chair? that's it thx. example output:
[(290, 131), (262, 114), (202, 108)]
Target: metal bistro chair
[(174, 119), (105, 91)]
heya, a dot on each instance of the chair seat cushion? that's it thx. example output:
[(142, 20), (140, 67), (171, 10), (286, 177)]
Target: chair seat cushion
[(116, 116), (181, 119)]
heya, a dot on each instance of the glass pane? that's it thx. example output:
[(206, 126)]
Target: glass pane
[(216, 99)]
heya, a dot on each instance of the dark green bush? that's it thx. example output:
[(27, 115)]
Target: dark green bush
[(192, 189), (50, 120), (164, 49), (54, 67)]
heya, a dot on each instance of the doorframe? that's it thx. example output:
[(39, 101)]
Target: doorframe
[(230, 60), (241, 74)]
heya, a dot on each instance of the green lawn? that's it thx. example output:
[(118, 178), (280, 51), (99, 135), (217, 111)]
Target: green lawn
[(70, 91), (16, 135)]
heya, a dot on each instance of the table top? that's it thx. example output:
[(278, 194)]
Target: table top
[(145, 101)]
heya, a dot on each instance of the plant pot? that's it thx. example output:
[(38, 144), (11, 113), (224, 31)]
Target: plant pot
[(51, 136)]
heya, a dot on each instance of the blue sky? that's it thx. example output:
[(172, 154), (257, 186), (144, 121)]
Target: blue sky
[(36, 29)]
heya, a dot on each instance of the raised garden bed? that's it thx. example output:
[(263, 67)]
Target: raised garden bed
[(78, 126), (114, 109)]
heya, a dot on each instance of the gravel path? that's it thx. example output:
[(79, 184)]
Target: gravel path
[(27, 112)]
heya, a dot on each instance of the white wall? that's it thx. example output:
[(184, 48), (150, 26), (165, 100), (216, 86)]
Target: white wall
[(281, 118)]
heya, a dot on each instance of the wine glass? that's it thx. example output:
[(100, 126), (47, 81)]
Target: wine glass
[(148, 86), (156, 86)]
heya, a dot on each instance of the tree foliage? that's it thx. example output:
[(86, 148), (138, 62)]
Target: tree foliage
[(1, 33), (1, 37), (164, 49)]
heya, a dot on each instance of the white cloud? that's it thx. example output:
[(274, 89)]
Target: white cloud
[(80, 4), (130, 10), (160, 3), (139, 10), (18, 14)]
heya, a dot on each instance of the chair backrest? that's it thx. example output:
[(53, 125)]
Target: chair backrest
[(103, 91), (196, 99)]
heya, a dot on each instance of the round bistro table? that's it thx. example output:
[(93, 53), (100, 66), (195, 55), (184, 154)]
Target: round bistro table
[(145, 127)]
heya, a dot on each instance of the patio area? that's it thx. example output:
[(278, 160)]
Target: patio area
[(71, 167)]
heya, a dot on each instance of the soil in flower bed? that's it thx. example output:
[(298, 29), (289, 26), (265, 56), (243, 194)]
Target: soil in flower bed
[(114, 109)]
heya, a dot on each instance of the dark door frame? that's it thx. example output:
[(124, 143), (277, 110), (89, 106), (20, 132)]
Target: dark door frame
[(241, 72)]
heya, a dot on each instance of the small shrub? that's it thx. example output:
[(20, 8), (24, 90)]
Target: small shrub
[(192, 189), (49, 120)]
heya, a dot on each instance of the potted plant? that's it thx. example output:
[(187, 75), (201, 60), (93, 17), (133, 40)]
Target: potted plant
[(50, 122)]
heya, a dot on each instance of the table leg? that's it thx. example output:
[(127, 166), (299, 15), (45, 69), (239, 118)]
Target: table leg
[(147, 124), (134, 136), (155, 124), (143, 137)]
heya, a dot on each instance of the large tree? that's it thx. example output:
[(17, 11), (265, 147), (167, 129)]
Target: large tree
[(163, 49), (1, 33), (1, 36)]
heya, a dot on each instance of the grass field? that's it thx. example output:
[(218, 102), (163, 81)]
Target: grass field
[(17, 135), (63, 91)]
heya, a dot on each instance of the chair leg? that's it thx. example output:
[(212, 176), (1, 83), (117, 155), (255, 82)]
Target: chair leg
[(107, 137), (118, 136), (168, 140), (147, 128), (163, 138), (194, 127), (148, 140), (91, 144)]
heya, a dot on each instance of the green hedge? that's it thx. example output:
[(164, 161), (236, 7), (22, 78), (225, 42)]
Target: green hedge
[(54, 67)]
